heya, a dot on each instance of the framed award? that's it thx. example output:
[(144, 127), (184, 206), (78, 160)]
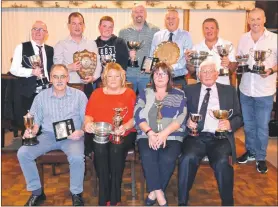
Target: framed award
[(148, 63), (62, 129)]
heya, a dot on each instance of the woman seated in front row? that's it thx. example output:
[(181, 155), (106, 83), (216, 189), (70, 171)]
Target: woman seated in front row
[(160, 113), (109, 158)]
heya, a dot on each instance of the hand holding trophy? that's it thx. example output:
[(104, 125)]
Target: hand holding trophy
[(134, 45), (223, 51), (30, 139), (195, 118), (117, 122)]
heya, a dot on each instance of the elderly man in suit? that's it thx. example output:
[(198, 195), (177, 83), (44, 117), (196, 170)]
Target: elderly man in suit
[(201, 98)]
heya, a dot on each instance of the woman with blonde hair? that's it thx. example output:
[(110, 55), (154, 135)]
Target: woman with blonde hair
[(109, 158)]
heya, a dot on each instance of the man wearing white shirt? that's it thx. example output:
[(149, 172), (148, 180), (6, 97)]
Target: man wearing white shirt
[(21, 66), (173, 34), (64, 50), (203, 97), (257, 91), (209, 44)]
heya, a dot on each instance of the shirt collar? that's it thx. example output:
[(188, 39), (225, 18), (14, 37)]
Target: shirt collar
[(69, 38), (204, 88), (265, 34), (132, 25), (51, 92), (174, 32), (35, 44)]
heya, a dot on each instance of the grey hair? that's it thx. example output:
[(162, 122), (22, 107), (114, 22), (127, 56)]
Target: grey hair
[(206, 63)]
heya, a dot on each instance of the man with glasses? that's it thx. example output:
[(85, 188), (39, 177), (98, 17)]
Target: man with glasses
[(202, 98), (56, 104), (24, 70), (173, 34), (64, 50)]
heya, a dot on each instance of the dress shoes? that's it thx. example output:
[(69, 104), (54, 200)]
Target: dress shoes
[(77, 200), (35, 200), (149, 202)]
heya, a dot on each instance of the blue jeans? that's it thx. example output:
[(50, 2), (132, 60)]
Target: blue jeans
[(158, 164), (138, 79), (256, 113), (74, 151)]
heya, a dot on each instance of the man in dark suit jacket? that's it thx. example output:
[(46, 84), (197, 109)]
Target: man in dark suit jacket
[(202, 98), (21, 67)]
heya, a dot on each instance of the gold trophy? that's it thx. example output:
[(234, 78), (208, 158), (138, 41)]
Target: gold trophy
[(224, 51), (133, 45), (35, 61), (221, 115), (195, 118), (259, 56), (159, 117), (117, 122), (30, 140)]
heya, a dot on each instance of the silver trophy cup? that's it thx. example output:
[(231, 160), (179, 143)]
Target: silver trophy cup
[(30, 139), (117, 122), (102, 130), (106, 59), (197, 57), (195, 118), (242, 63), (134, 45), (224, 51), (34, 62), (259, 56)]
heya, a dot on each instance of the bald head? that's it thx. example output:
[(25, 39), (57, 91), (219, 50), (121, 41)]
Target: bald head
[(39, 32), (139, 14), (256, 20)]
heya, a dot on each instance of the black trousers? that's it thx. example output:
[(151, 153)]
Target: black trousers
[(109, 161), (218, 152), (158, 164)]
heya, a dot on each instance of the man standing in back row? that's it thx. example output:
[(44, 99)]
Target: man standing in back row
[(256, 91), (139, 30)]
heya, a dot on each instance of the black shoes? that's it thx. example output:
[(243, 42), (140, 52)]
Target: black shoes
[(149, 202), (35, 200), (261, 166), (247, 156), (182, 204), (77, 200)]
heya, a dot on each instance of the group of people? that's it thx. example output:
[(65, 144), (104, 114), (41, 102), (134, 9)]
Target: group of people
[(157, 117)]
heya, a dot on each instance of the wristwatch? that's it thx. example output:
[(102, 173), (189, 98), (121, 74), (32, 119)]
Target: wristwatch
[(272, 71)]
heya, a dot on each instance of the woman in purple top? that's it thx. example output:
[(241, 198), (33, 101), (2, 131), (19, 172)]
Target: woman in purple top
[(160, 114)]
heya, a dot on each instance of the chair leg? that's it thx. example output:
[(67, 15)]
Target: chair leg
[(133, 182), (53, 169), (142, 184), (41, 173)]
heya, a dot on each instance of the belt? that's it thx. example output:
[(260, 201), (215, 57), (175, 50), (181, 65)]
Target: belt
[(179, 77)]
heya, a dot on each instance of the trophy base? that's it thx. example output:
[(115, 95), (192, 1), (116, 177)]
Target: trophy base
[(258, 69), (242, 69), (43, 82), (224, 72), (193, 132), (220, 134), (133, 64), (101, 140), (117, 140), (30, 141)]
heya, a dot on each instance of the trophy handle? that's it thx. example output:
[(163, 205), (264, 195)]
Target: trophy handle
[(269, 51), (125, 108), (211, 114), (230, 48), (231, 111), (24, 56), (251, 52)]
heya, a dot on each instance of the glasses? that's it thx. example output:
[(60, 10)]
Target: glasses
[(207, 72), (61, 77), (162, 75), (38, 29)]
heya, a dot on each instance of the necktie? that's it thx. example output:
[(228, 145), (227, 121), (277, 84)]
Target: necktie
[(170, 37), (203, 109), (41, 57)]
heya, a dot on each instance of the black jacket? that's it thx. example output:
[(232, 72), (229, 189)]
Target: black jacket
[(116, 47)]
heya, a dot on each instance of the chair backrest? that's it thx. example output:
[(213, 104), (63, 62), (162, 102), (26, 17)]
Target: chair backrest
[(79, 86)]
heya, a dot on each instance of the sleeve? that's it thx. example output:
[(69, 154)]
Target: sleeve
[(181, 64), (154, 44), (122, 54), (236, 119), (82, 105), (58, 53), (140, 105), (181, 118), (16, 67), (36, 110), (232, 54), (98, 68), (121, 34)]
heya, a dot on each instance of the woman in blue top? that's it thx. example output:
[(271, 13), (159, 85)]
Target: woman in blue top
[(160, 114)]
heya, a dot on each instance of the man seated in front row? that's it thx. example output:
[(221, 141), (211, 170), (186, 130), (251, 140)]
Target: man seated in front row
[(202, 98), (57, 103)]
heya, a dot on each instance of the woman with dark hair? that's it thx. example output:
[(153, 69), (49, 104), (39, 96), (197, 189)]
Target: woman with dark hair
[(160, 114), (109, 158)]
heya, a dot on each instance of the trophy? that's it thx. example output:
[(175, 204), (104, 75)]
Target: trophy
[(35, 61), (133, 45), (159, 117), (195, 118), (224, 51), (117, 122), (259, 57), (106, 59), (197, 57), (102, 130), (221, 115), (30, 140), (242, 66)]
